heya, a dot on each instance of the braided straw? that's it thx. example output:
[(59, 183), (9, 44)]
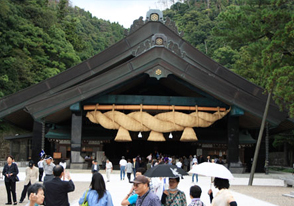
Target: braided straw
[(156, 137), (123, 135)]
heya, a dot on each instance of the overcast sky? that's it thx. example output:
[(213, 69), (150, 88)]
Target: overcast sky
[(122, 11)]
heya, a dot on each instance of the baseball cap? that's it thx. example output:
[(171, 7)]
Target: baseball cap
[(141, 179), (48, 157)]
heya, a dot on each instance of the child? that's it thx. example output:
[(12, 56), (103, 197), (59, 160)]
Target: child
[(36, 195), (195, 193)]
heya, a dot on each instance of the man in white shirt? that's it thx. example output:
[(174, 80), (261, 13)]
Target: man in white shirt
[(48, 166), (108, 169), (179, 164), (40, 165), (195, 159), (122, 165), (149, 157)]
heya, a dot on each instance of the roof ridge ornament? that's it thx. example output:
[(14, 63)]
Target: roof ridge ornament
[(172, 25), (159, 40), (138, 23), (174, 47), (153, 15)]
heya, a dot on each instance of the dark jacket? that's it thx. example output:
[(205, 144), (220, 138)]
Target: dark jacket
[(56, 192), (92, 169), (8, 170)]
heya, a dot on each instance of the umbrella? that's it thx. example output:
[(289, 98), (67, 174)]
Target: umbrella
[(165, 170), (212, 170)]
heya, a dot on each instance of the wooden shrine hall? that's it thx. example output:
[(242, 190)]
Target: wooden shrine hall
[(151, 91)]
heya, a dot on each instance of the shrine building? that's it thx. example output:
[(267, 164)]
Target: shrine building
[(151, 91)]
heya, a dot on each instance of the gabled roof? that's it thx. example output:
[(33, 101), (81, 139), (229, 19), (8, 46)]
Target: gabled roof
[(134, 55)]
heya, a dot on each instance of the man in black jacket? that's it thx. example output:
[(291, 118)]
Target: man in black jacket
[(95, 167), (56, 189)]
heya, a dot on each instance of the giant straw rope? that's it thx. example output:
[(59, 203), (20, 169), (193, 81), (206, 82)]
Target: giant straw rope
[(164, 122)]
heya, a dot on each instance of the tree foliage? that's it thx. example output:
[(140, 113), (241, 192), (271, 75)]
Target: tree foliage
[(254, 38), (41, 38)]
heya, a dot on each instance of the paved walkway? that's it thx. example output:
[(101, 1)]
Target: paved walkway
[(266, 189)]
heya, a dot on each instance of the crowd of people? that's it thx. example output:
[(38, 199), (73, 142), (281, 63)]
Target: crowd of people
[(144, 191)]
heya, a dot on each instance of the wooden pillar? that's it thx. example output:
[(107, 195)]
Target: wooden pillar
[(233, 157), (36, 141), (233, 139), (76, 141)]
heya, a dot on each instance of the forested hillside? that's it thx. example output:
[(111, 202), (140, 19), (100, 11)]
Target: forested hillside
[(254, 38), (41, 38)]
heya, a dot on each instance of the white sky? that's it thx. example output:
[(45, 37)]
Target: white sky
[(122, 11)]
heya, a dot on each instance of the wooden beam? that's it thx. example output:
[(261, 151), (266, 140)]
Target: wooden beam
[(150, 107)]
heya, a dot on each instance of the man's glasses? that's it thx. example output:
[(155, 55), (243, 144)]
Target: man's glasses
[(136, 184)]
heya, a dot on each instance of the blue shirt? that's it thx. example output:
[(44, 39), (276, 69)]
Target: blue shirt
[(92, 198), (132, 199)]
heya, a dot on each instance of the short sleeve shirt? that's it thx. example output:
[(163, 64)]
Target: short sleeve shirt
[(48, 169), (133, 198), (108, 165), (148, 199), (122, 162)]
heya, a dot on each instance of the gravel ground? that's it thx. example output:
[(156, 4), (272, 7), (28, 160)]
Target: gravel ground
[(270, 194)]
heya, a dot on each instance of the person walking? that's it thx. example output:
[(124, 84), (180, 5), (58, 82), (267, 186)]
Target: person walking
[(122, 165), (56, 189), (32, 175), (36, 195), (48, 166), (95, 167), (10, 171), (194, 174), (97, 195), (41, 170), (129, 169), (108, 169), (173, 196)]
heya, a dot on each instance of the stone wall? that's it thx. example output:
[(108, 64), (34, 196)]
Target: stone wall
[(277, 158), (4, 147)]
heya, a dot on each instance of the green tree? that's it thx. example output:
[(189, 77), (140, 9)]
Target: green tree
[(269, 24), (286, 140), (41, 38), (62, 9), (226, 56)]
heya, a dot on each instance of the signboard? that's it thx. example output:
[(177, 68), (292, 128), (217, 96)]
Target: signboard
[(56, 155)]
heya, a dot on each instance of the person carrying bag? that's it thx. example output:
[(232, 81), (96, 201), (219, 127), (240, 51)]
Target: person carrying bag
[(97, 195), (10, 172), (85, 203)]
